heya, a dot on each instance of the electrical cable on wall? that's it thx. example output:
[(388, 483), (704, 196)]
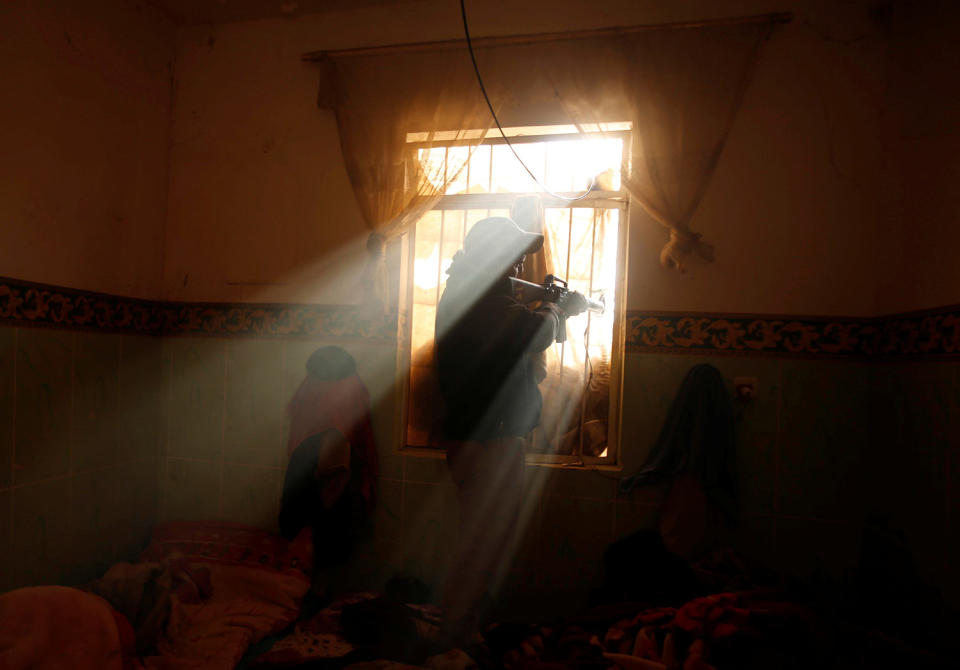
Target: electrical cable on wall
[(486, 97), (483, 89)]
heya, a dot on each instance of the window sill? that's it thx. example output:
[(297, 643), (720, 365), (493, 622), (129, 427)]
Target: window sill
[(538, 460)]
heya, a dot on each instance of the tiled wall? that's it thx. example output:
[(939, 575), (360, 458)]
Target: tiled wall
[(226, 426), (801, 449), (825, 441), (917, 481), (79, 439)]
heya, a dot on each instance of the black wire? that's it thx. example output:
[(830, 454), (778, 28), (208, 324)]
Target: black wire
[(486, 97), (483, 89)]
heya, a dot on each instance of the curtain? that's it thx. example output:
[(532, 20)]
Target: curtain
[(382, 104), (680, 89)]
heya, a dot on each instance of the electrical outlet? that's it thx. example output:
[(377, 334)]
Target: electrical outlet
[(745, 388)]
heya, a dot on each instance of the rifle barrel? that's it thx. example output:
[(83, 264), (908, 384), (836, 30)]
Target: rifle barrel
[(595, 306), (530, 291)]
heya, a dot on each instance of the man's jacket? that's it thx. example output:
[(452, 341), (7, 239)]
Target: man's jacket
[(483, 340)]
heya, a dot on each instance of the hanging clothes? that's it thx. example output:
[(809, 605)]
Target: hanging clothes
[(695, 455), (333, 396), (327, 500), (330, 484)]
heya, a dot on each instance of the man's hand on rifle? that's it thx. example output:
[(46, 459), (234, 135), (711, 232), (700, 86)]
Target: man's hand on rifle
[(572, 303)]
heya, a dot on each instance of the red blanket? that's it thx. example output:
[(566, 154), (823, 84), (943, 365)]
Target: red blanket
[(687, 636), (60, 627)]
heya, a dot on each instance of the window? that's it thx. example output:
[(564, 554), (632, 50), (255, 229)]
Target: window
[(585, 243)]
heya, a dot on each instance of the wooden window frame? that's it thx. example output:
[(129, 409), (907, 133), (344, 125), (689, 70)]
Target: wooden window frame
[(503, 201)]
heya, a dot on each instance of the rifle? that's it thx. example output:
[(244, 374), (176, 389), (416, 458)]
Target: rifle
[(553, 289)]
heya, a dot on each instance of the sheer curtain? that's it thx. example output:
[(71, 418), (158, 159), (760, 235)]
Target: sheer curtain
[(681, 90), (679, 87), (382, 104)]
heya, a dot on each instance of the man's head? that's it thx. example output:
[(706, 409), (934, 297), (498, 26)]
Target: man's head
[(500, 244)]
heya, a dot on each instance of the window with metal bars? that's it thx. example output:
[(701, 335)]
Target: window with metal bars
[(585, 244)]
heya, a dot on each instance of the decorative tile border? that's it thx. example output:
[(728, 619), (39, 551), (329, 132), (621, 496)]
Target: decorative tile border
[(257, 320), (30, 304), (931, 333)]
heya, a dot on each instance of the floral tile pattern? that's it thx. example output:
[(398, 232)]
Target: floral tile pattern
[(30, 304), (934, 333), (930, 333)]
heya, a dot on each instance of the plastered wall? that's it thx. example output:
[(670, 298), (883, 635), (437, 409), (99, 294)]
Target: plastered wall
[(83, 166), (921, 121), (260, 207), (80, 438)]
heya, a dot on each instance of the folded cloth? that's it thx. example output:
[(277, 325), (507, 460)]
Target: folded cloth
[(59, 627)]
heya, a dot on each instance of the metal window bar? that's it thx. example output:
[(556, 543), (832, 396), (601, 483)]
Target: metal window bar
[(446, 162), (563, 345), (469, 161), (524, 139), (443, 223), (598, 213), (443, 220), (587, 364), (546, 164), (594, 199), (490, 176)]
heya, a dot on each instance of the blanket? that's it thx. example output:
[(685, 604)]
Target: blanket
[(203, 592), (57, 627), (746, 629)]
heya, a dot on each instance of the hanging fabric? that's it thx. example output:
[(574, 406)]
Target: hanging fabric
[(680, 88), (392, 113)]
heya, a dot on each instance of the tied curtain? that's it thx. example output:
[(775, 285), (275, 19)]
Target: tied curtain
[(388, 107), (681, 90), (679, 87)]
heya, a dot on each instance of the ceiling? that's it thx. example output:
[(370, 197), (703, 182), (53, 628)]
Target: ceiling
[(186, 12)]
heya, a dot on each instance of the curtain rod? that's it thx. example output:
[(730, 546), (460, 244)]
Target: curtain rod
[(503, 40)]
